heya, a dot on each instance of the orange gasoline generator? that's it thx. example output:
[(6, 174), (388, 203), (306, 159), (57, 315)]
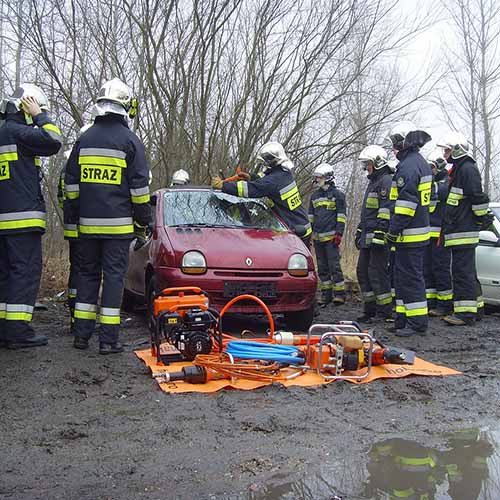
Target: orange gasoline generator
[(185, 322)]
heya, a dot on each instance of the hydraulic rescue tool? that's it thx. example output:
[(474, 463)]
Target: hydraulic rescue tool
[(345, 347), (184, 320)]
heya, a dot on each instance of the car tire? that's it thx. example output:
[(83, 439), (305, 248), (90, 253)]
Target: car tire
[(299, 320), (128, 301), (150, 295)]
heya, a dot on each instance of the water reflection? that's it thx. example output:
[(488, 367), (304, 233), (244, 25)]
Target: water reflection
[(402, 469), (463, 466)]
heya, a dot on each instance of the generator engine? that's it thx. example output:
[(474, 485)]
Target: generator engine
[(184, 322), (189, 333)]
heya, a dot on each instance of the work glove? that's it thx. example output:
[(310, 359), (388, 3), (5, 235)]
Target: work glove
[(217, 182), (142, 213), (357, 238), (141, 235), (378, 237), (244, 176), (391, 238), (337, 239)]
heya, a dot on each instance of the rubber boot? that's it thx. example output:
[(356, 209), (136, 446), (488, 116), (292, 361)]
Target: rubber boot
[(34, 341), (326, 298)]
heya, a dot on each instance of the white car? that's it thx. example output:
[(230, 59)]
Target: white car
[(488, 259)]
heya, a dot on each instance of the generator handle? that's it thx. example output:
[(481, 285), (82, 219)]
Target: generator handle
[(171, 291)]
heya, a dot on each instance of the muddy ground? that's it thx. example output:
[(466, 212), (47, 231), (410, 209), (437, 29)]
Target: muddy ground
[(77, 425)]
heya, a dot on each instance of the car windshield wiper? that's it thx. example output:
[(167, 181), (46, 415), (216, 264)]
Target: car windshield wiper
[(203, 224)]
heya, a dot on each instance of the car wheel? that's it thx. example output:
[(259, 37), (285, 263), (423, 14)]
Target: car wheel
[(150, 296), (128, 301), (299, 320)]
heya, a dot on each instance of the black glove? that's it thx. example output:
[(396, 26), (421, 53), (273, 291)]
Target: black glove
[(141, 235), (357, 239), (142, 213), (486, 221), (391, 238)]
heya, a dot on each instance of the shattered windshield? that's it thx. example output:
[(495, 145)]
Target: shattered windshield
[(216, 209)]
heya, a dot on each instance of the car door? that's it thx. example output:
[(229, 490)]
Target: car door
[(488, 266)]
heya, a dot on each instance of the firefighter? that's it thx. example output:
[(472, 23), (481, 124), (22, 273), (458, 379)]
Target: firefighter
[(27, 133), (277, 184), (373, 262), (437, 261), (327, 214), (70, 232), (465, 213), (180, 178), (107, 191), (409, 227)]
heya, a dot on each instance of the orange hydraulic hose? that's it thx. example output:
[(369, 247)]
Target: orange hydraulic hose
[(227, 338)]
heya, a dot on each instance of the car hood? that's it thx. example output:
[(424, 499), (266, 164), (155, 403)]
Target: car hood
[(234, 248)]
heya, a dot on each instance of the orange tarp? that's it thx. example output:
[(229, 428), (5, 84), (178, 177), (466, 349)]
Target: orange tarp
[(309, 379)]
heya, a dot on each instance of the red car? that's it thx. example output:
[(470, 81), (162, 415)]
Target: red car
[(227, 246)]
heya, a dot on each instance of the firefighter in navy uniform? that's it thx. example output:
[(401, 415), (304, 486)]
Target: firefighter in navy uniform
[(27, 133), (327, 214), (466, 212), (278, 185), (107, 192), (409, 228), (373, 262), (70, 232), (437, 262)]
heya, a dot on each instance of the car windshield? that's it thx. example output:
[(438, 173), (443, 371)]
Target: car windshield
[(216, 209)]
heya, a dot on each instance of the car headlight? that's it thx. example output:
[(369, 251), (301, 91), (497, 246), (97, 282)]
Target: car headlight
[(194, 262), (297, 265)]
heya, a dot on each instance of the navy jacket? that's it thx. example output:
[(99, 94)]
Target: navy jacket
[(327, 213), (22, 207), (107, 181)]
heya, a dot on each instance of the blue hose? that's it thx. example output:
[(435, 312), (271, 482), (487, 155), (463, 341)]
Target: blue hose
[(266, 352)]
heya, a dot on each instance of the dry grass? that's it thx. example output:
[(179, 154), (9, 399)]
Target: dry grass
[(54, 276)]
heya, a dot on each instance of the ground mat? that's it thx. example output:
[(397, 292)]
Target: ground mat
[(309, 379)]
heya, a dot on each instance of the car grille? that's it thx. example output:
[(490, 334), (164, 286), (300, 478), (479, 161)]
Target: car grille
[(263, 290)]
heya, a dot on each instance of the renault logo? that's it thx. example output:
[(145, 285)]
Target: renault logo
[(248, 261)]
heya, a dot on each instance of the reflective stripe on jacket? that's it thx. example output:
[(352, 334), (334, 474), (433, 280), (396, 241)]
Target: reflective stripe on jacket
[(438, 202)]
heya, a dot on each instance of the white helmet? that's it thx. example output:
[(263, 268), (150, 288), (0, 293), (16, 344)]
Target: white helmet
[(12, 104), (458, 144), (324, 170), (377, 155), (114, 97), (273, 154), (435, 158), (180, 178)]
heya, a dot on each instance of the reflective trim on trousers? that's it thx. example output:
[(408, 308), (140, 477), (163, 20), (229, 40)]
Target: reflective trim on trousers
[(109, 315), (18, 312), (465, 306), (384, 299), (85, 311)]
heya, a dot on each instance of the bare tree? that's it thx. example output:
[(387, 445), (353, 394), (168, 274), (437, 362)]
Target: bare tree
[(474, 69)]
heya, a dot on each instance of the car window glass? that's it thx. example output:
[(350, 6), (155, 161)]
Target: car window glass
[(183, 207)]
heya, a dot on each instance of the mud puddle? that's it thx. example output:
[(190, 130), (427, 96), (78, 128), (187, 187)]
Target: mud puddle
[(463, 465)]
